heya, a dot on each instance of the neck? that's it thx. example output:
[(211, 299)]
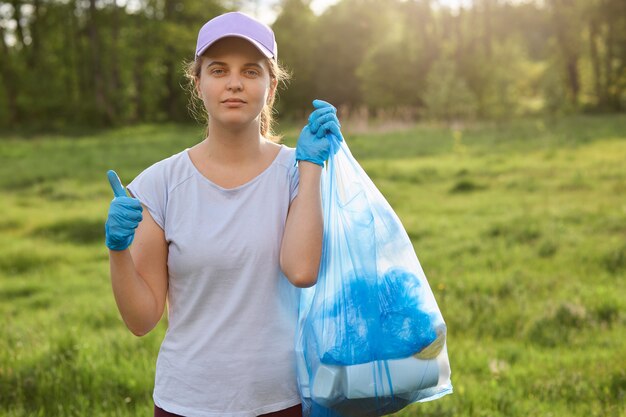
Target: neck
[(227, 145)]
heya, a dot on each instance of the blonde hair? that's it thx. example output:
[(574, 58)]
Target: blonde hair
[(278, 74)]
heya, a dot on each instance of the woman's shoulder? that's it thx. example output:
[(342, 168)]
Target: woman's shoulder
[(286, 157), (170, 163), (170, 170)]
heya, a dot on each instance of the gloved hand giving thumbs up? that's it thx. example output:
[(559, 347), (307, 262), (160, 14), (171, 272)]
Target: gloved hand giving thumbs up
[(124, 216)]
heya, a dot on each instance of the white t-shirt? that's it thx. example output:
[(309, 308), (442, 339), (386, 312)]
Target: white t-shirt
[(229, 347)]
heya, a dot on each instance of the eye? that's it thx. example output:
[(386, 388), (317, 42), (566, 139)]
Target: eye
[(252, 73), (217, 71)]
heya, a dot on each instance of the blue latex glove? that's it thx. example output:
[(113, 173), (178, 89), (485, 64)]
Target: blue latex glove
[(315, 138), (124, 216)]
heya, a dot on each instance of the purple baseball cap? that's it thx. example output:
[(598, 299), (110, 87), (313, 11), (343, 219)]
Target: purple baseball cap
[(240, 25)]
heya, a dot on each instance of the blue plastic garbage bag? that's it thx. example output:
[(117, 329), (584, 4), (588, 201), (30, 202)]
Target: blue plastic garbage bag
[(371, 339)]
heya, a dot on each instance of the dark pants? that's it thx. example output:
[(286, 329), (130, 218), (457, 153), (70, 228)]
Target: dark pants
[(295, 411)]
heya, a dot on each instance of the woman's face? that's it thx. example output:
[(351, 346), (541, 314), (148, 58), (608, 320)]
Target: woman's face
[(234, 82)]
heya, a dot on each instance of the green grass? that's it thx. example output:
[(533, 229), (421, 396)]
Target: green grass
[(520, 228)]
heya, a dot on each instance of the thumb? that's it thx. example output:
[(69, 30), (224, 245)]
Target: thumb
[(318, 104), (116, 184)]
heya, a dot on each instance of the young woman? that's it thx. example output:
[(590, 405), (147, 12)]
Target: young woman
[(225, 232)]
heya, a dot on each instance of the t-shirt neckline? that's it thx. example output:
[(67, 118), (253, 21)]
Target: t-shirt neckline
[(239, 187)]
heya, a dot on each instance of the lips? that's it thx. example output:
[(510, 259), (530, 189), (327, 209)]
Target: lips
[(233, 100)]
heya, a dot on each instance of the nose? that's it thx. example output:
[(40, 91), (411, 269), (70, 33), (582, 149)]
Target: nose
[(234, 82)]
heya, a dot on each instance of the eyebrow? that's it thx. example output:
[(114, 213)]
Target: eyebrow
[(250, 64)]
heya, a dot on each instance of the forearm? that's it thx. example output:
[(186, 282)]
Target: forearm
[(135, 300), (302, 240)]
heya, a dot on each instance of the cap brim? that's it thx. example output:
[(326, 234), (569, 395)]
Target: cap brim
[(258, 46)]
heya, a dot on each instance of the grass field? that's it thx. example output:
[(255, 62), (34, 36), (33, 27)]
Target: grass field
[(521, 230)]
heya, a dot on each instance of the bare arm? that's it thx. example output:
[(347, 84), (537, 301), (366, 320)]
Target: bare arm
[(139, 277), (301, 248)]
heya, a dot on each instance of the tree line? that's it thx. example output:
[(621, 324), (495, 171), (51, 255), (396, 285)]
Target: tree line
[(97, 63)]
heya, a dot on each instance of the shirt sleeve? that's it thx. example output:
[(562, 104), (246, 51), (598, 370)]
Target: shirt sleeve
[(150, 188)]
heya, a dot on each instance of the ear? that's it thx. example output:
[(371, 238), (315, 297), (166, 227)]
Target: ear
[(273, 85), (197, 88)]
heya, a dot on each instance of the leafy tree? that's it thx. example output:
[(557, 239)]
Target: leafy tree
[(96, 63), (606, 20), (447, 96), (344, 33), (393, 71), (566, 19), (554, 93), (297, 51)]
